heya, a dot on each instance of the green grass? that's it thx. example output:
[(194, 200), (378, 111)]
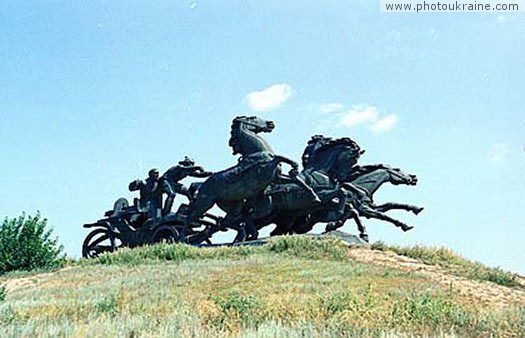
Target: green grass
[(298, 246), (292, 287), (453, 263)]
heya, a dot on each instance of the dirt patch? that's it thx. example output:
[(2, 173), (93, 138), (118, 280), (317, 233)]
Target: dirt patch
[(483, 293), (31, 281)]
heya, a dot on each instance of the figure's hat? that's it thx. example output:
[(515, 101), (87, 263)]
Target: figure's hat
[(187, 161)]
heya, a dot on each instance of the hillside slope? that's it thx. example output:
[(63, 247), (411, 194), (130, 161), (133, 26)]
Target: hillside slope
[(291, 287)]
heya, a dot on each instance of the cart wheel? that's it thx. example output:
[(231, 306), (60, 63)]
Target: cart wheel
[(97, 242), (165, 234)]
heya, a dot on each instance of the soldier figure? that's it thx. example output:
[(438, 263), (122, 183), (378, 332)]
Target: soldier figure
[(185, 168), (151, 193)]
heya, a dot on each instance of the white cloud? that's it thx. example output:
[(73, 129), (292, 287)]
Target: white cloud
[(365, 115), (330, 107), (498, 153), (269, 98), (384, 124), (358, 115)]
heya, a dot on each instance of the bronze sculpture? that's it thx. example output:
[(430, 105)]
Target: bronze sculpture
[(331, 188)]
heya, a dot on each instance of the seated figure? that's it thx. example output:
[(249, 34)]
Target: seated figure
[(151, 193)]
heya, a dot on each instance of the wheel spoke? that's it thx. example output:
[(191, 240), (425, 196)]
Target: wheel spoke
[(99, 240)]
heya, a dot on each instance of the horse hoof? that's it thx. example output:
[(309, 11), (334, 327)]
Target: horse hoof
[(364, 237), (418, 210), (330, 227), (405, 228)]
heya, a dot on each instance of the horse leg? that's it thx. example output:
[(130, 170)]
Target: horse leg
[(361, 228), (197, 209), (331, 226), (392, 205), (282, 226), (233, 221), (350, 212), (369, 212), (251, 229), (301, 225), (277, 231)]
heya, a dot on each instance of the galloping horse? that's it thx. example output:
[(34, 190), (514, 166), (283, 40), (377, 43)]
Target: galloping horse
[(359, 205), (283, 204), (370, 179), (258, 166)]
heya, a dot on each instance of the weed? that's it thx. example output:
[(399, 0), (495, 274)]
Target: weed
[(108, 305), (246, 310)]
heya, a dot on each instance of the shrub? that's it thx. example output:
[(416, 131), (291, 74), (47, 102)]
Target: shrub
[(2, 293), (26, 244)]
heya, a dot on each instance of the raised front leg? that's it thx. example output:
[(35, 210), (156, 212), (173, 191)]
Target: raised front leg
[(399, 206), (368, 212)]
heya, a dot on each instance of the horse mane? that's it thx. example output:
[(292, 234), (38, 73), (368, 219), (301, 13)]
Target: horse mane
[(242, 118), (320, 145), (343, 141)]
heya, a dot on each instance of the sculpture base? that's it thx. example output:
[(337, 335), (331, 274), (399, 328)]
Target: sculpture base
[(347, 238)]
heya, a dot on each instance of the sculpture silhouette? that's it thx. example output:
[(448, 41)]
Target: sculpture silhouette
[(258, 166)]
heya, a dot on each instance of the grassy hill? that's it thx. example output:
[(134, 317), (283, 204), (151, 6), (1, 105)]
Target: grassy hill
[(291, 287)]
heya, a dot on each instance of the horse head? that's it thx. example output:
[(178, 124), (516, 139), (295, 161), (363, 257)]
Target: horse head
[(253, 123), (397, 176), (244, 130)]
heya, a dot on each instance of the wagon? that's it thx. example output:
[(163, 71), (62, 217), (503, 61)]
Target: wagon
[(128, 226)]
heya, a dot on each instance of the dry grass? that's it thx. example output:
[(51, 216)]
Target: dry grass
[(272, 291), (453, 263)]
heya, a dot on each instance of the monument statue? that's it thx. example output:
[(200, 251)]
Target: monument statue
[(331, 188)]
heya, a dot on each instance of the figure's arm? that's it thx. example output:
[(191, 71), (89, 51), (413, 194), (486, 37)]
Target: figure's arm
[(166, 188), (136, 185), (198, 171)]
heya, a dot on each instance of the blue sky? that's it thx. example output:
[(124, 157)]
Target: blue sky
[(94, 94)]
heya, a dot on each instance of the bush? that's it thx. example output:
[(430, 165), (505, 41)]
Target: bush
[(26, 244)]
